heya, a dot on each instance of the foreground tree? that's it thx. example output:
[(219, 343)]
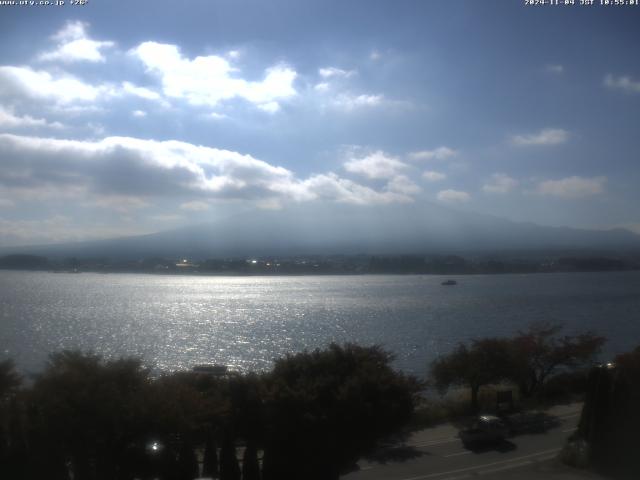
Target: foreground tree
[(482, 363), (610, 419), (187, 462), (250, 464), (88, 411), (12, 445), (10, 380), (210, 459), (328, 407), (314, 415), (229, 467), (540, 352)]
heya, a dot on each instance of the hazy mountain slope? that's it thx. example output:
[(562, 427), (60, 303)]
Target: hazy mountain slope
[(348, 230)]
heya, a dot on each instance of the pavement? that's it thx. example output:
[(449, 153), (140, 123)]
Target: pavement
[(438, 454)]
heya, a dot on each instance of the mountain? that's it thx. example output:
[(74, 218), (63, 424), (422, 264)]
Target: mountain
[(346, 230)]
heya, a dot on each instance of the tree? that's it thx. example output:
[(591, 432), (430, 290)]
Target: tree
[(250, 465), (187, 463), (328, 407), (12, 445), (10, 380), (89, 411), (610, 418), (539, 352), (483, 362), (229, 467), (210, 460)]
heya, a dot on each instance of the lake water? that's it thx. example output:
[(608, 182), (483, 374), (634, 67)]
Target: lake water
[(175, 322)]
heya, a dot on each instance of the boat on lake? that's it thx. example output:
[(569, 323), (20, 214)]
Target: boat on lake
[(449, 282)]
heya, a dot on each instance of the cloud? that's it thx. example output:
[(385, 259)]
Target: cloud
[(321, 87), (6, 202), (216, 116), (380, 166), (329, 72), (74, 45), (432, 176), (453, 196), (545, 137), (403, 185), (330, 186), (9, 120), (119, 203), (556, 69), (375, 55), (195, 206), (500, 183), (440, 153), (624, 83), (348, 101), (97, 129), (270, 107), (375, 166), (212, 79), (130, 166), (142, 92), (37, 84), (572, 187), (123, 169), (24, 191), (58, 228), (139, 113), (270, 204), (167, 218)]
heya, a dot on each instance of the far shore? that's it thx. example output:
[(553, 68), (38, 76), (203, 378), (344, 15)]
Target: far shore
[(443, 265)]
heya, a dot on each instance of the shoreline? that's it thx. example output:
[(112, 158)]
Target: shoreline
[(308, 274)]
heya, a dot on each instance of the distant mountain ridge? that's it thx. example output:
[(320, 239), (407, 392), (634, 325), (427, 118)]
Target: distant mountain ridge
[(385, 230)]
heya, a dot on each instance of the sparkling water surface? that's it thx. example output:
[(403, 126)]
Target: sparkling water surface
[(175, 322)]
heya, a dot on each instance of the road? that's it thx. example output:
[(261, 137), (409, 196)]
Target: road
[(438, 454)]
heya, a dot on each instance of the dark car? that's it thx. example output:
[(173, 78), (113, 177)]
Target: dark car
[(485, 429)]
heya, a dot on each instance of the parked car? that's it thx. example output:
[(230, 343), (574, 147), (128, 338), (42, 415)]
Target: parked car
[(528, 422), (486, 429)]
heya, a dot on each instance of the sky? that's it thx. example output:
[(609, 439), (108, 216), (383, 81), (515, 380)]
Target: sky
[(122, 118)]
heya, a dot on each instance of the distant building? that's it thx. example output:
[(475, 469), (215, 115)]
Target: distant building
[(185, 264)]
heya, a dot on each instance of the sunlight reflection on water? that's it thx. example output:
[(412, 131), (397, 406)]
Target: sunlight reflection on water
[(175, 322)]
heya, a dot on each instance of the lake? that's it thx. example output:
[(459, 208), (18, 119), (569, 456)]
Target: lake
[(175, 322)]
